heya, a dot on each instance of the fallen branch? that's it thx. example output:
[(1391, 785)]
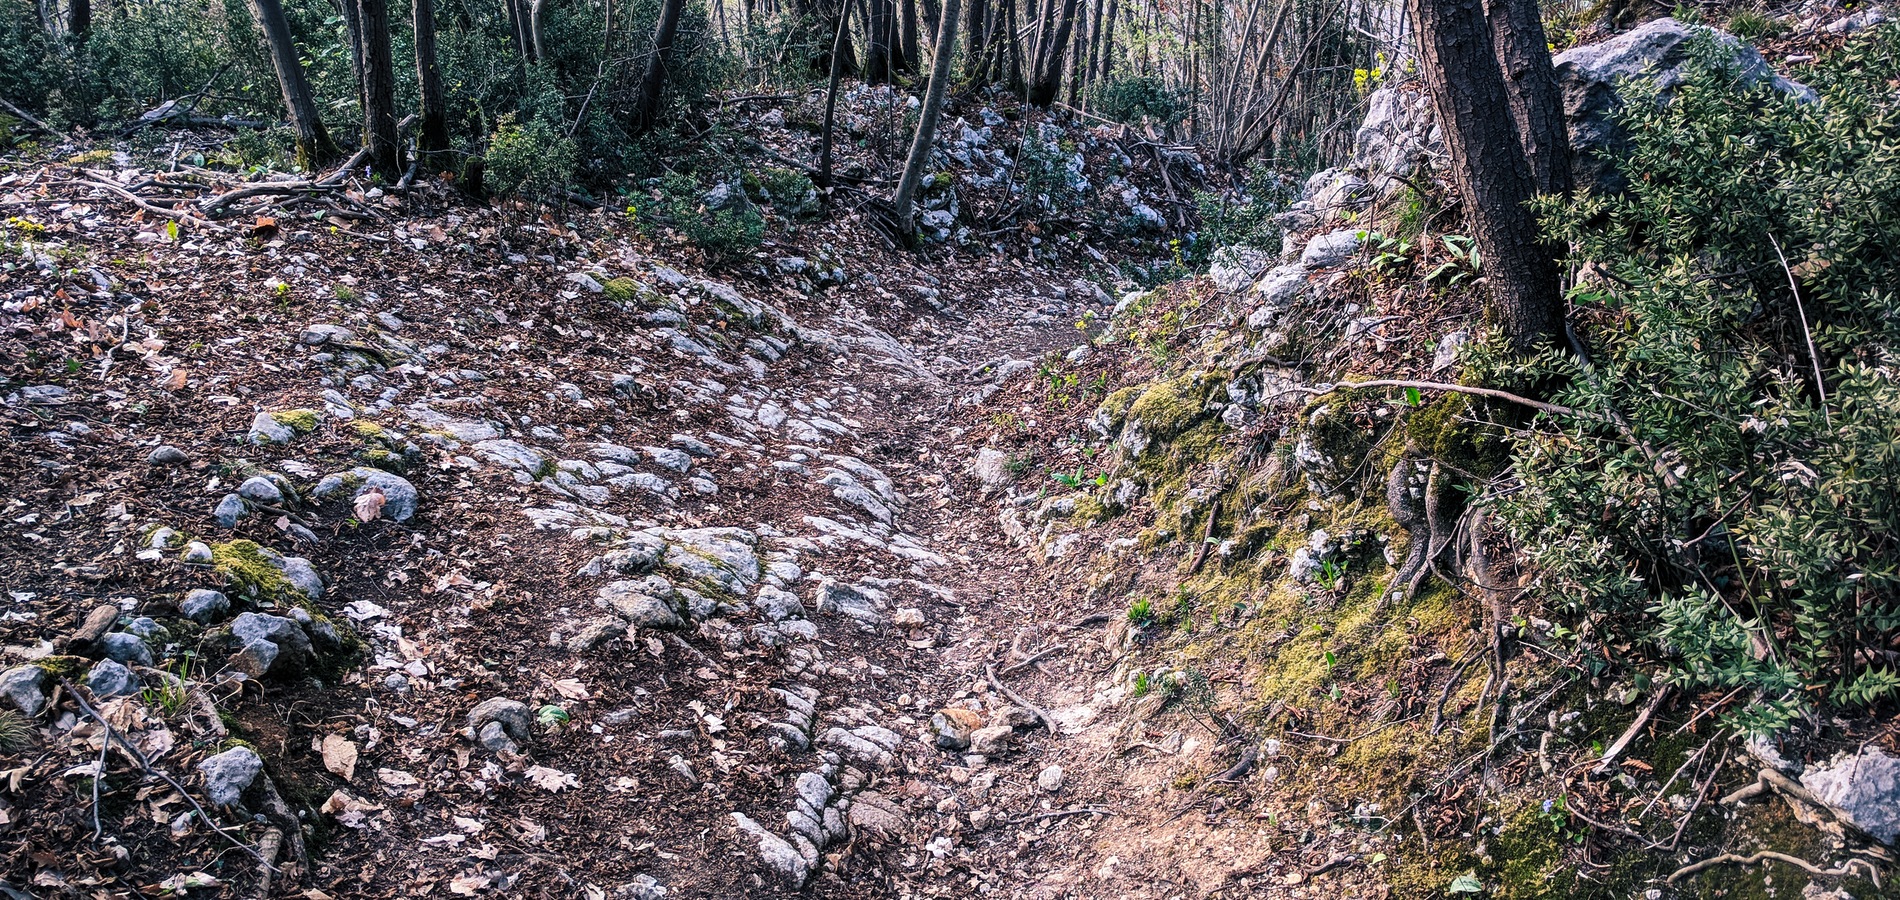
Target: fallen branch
[(1065, 813), (1846, 869), (153, 208), (1239, 768), (1031, 660), (149, 769), (28, 118), (1538, 405), (1019, 700), (1629, 734)]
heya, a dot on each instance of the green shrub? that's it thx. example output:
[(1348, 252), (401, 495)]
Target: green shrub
[(534, 161), (728, 227), (1709, 508), (1130, 98), (1244, 216)]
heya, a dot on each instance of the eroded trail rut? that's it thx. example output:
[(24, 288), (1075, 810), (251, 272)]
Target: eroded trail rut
[(554, 579)]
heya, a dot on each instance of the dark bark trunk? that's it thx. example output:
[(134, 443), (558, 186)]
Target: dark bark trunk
[(877, 41), (353, 32), (909, 26), (831, 96), (1537, 106), (1079, 58), (1048, 75), (1461, 70), (313, 142), (927, 120), (433, 137), (1010, 70), (647, 97), (79, 19), (976, 49), (1107, 59), (379, 90)]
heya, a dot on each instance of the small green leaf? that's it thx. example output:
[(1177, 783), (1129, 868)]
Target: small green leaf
[(1411, 396), (1467, 883)]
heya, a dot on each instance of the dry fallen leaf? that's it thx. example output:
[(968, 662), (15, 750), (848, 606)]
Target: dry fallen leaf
[(571, 688), (467, 885), (339, 756), (552, 780), (369, 505)]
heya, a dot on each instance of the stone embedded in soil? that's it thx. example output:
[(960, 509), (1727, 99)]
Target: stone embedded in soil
[(204, 606), (271, 645), (126, 648), (778, 855), (230, 510), (992, 740), (399, 496), (197, 553), (265, 429), (629, 600), (1050, 779), (1863, 788), (516, 720), (25, 686), (259, 489), (110, 678), (166, 455), (318, 334), (1013, 717), (1330, 249), (953, 726), (229, 774)]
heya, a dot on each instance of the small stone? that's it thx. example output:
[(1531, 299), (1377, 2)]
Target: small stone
[(513, 716), (494, 737), (230, 510), (642, 887), (1051, 779), (126, 648), (26, 687), (272, 645), (399, 496), (166, 455), (110, 678), (1863, 789), (776, 853), (229, 774), (953, 726), (265, 429), (259, 489), (319, 334), (197, 553), (630, 602), (1330, 249), (991, 741), (1013, 717)]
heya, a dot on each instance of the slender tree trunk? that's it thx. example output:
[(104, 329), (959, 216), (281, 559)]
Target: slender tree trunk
[(534, 29), (313, 142), (79, 19), (607, 30), (1095, 42), (1536, 104), (927, 120), (379, 90), (433, 137), (1012, 65), (1048, 74), (976, 49), (353, 31), (831, 97), (1107, 59), (1467, 87), (1079, 58), (647, 97), (909, 22)]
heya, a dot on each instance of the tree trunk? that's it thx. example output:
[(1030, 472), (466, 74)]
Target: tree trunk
[(1079, 60), (646, 108), (534, 30), (831, 97), (877, 42), (79, 19), (353, 31), (433, 136), (1460, 66), (1048, 74), (379, 90), (1107, 59), (976, 50), (1536, 104), (313, 142), (927, 120), (909, 22)]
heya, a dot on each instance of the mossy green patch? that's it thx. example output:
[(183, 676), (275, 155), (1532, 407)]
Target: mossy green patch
[(246, 568), (1167, 408), (71, 668), (301, 421)]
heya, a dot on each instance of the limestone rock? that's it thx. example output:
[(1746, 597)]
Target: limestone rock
[(516, 720), (25, 686), (1330, 249), (778, 855), (399, 496), (270, 645), (229, 774), (1863, 789), (991, 740), (110, 678), (204, 606)]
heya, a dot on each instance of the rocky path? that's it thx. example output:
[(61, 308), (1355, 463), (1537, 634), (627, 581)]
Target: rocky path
[(538, 576)]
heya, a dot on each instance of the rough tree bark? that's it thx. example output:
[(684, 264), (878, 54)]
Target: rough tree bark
[(909, 31), (79, 19), (379, 90), (647, 97), (432, 140), (927, 121), (1467, 87), (976, 50), (1537, 105), (1048, 70), (831, 96), (314, 147)]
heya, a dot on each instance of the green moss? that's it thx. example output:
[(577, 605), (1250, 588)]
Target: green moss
[(90, 157), (245, 567), (384, 460), (1167, 408), (71, 668), (369, 431), (622, 290), (302, 421), (1114, 408)]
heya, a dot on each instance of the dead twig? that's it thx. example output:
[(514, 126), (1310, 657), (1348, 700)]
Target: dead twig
[(1538, 405), (1032, 659), (1820, 386), (1065, 813), (1846, 869), (1019, 700), (146, 765), (153, 208), (28, 118), (1629, 734)]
